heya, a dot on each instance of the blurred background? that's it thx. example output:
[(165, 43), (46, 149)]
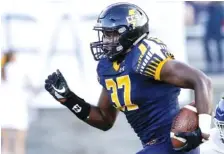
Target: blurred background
[(39, 36)]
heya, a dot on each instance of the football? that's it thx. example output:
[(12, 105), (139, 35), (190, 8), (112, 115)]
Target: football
[(185, 121)]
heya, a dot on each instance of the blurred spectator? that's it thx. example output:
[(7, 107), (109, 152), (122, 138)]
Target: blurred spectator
[(6, 58), (199, 7), (189, 15), (213, 31), (14, 113)]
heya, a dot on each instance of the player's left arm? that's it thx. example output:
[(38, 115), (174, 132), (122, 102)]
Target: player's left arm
[(184, 76), (156, 62)]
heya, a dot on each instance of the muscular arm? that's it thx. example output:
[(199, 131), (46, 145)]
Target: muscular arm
[(184, 76), (104, 115), (158, 63)]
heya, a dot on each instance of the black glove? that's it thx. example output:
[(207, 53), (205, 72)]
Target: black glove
[(57, 86), (194, 139)]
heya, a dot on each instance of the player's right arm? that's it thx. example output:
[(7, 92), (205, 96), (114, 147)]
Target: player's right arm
[(104, 114), (101, 116)]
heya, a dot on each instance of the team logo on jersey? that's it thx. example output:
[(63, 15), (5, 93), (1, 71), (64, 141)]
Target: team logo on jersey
[(122, 69)]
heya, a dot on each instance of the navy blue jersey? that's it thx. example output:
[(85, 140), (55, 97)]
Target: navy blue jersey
[(135, 89)]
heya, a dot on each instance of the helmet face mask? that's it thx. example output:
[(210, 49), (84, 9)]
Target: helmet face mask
[(220, 126), (219, 119), (108, 45), (118, 27)]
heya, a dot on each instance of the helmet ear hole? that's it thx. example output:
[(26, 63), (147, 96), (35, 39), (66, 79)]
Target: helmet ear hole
[(131, 27), (122, 30)]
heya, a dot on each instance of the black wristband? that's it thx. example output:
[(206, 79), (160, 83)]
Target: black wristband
[(78, 106)]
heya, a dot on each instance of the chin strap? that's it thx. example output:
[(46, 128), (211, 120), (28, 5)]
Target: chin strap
[(140, 38), (137, 41)]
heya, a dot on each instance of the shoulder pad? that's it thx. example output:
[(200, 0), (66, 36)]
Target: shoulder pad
[(153, 55)]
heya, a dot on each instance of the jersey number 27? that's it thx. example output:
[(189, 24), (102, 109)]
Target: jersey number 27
[(122, 83)]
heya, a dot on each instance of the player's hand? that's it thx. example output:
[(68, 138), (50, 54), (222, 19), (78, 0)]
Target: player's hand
[(57, 86), (194, 139)]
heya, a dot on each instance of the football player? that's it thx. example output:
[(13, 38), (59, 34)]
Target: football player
[(215, 145), (140, 78)]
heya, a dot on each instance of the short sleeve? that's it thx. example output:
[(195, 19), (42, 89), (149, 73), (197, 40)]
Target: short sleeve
[(153, 55)]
